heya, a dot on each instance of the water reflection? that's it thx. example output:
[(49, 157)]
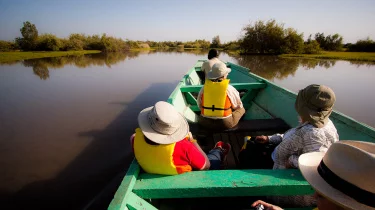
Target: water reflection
[(271, 67), (42, 66)]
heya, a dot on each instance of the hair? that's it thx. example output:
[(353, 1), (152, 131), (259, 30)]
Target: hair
[(148, 141), (213, 53), (218, 79)]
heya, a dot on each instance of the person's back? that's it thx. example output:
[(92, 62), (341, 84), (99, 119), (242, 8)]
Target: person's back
[(220, 103), (213, 57), (168, 159), (303, 139)]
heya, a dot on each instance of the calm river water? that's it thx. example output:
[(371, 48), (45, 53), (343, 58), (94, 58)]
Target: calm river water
[(65, 122)]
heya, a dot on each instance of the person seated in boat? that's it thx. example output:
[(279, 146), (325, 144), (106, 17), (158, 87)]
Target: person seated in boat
[(164, 145), (213, 57), (343, 177), (220, 103), (316, 132)]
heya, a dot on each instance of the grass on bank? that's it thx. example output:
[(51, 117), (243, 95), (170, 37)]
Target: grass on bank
[(6, 57), (352, 56)]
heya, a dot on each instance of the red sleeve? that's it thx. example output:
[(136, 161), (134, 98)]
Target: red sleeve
[(195, 157)]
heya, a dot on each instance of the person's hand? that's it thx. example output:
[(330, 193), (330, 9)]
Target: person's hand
[(262, 139), (267, 206)]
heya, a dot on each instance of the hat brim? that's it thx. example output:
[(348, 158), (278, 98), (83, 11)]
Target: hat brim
[(308, 164), (210, 74), (318, 119), (159, 138)]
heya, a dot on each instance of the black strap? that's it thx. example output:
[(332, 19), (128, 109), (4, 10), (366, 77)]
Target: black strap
[(358, 194), (213, 108)]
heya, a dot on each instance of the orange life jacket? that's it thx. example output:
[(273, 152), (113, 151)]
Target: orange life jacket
[(215, 101)]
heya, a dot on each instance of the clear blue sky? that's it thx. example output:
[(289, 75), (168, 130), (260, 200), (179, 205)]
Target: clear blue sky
[(185, 20)]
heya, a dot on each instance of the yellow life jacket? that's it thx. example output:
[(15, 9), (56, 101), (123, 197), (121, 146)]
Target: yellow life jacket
[(215, 102), (155, 159)]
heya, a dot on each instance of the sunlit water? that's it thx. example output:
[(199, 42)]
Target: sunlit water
[(65, 122)]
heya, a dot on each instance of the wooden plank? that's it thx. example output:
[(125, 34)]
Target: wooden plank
[(121, 197), (260, 125), (238, 86), (223, 183), (136, 203)]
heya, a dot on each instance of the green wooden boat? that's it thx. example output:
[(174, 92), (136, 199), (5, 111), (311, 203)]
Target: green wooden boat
[(269, 108)]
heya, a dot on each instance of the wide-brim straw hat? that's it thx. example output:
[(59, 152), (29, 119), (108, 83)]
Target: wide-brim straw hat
[(315, 103), (345, 174), (218, 70), (163, 124)]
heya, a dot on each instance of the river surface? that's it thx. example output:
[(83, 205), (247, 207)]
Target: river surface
[(65, 122)]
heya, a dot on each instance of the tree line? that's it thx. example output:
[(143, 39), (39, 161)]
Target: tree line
[(260, 37), (32, 41)]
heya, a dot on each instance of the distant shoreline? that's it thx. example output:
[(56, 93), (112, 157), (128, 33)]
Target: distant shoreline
[(6, 57), (351, 56)]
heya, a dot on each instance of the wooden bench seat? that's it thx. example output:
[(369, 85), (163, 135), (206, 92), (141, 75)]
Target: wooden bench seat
[(222, 183)]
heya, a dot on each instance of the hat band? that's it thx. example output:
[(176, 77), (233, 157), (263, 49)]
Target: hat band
[(358, 194)]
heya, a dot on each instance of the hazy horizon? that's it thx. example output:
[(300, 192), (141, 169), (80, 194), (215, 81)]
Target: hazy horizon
[(185, 21)]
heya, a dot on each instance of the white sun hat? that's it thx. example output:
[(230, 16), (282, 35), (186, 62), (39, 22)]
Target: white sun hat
[(218, 70), (163, 124), (345, 174)]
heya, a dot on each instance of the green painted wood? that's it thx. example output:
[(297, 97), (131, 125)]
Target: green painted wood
[(190, 99), (195, 108), (121, 197), (223, 183), (256, 112), (137, 203), (238, 86)]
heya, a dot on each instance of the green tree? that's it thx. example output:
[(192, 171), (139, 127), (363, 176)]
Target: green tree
[(330, 42), (48, 42), (292, 42), (311, 47), (6, 46), (366, 45), (216, 42), (29, 36), (263, 37)]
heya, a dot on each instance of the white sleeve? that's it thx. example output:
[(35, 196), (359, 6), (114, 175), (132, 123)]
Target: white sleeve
[(234, 97)]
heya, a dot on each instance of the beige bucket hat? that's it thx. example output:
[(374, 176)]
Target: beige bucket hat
[(314, 104), (218, 70), (163, 124), (345, 174)]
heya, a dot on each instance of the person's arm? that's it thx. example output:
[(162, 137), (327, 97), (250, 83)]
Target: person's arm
[(289, 146), (207, 164), (234, 97), (132, 141), (195, 155), (276, 138), (199, 99)]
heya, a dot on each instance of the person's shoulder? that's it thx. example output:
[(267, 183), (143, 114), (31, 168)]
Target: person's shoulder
[(231, 88), (184, 144)]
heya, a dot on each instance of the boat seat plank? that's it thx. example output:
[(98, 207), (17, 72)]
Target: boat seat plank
[(238, 86), (256, 125), (223, 183)]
